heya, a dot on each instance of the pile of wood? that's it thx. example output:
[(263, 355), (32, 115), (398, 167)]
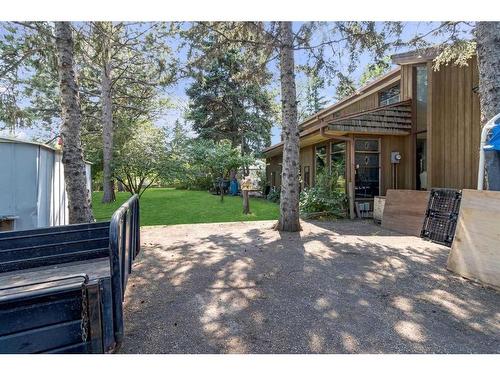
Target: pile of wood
[(475, 250)]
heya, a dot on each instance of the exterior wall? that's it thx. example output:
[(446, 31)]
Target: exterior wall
[(388, 144), (307, 160), (273, 165), (406, 82), (453, 131), (455, 127), (368, 102)]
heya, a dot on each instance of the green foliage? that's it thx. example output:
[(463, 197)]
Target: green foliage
[(143, 159), (262, 176), (457, 53), (375, 70), (315, 102), (228, 103), (324, 196), (274, 195), (216, 159), (345, 87)]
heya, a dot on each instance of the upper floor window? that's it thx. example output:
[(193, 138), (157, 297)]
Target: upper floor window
[(390, 95), (421, 90)]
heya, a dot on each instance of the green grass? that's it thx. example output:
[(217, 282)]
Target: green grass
[(170, 206)]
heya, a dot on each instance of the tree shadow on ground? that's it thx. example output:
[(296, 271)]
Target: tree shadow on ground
[(244, 288)]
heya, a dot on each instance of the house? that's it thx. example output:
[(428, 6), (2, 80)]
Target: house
[(32, 185), (413, 128)]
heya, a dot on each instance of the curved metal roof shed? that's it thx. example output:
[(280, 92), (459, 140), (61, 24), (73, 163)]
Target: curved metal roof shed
[(32, 193)]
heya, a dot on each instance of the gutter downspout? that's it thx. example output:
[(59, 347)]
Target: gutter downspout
[(484, 134)]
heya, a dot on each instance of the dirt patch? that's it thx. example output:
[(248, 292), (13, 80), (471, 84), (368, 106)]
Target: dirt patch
[(336, 287)]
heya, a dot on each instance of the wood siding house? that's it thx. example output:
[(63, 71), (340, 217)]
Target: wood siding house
[(431, 119)]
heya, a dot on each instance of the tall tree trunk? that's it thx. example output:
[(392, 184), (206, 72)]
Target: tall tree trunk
[(289, 201), (74, 165), (107, 133), (488, 55)]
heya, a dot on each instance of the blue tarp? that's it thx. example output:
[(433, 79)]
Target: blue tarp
[(494, 142), (492, 157)]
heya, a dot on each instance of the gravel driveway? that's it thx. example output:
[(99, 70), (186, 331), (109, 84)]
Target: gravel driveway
[(341, 287)]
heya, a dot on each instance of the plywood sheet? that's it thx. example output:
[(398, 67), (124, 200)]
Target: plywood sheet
[(475, 252), (404, 211)]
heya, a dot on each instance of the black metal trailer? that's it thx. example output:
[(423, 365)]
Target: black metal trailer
[(62, 288)]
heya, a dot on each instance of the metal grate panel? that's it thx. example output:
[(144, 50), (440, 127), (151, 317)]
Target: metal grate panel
[(441, 216)]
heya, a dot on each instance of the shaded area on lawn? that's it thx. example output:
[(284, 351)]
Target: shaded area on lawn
[(171, 206), (342, 287)]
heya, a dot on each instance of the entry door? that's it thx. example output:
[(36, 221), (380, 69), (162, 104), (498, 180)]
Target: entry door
[(367, 162)]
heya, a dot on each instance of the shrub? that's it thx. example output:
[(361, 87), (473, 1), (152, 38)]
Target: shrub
[(274, 195), (325, 197)]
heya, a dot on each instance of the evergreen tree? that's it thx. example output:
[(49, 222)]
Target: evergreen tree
[(315, 102), (226, 105)]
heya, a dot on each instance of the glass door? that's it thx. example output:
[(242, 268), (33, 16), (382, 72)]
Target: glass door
[(338, 163), (367, 162)]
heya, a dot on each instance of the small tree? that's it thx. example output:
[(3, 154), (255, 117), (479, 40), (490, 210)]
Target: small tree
[(218, 159), (143, 159)]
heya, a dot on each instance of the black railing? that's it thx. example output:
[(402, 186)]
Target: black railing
[(124, 246)]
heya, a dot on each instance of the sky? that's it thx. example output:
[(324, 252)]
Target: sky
[(179, 99)]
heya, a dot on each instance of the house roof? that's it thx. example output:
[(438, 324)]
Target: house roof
[(394, 119), (416, 56), (384, 81)]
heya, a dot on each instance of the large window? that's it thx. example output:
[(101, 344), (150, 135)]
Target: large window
[(320, 159), (337, 164), (367, 161), (421, 97), (389, 96)]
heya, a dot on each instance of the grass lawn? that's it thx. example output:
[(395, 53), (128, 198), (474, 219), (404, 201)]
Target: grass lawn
[(170, 206)]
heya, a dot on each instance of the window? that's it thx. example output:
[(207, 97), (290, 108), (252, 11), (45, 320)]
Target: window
[(367, 161), (320, 159), (337, 164), (421, 97), (389, 96), (273, 179), (307, 176)]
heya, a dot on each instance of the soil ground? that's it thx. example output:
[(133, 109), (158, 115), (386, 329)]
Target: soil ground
[(336, 287)]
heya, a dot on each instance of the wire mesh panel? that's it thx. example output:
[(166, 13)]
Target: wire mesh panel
[(441, 216)]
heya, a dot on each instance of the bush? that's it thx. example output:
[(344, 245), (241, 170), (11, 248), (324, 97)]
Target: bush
[(324, 197), (274, 195), (262, 177)]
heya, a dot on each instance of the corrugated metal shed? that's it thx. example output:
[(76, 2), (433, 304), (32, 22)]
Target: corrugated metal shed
[(32, 193)]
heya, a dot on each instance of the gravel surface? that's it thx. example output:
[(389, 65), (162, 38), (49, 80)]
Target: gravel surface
[(335, 287)]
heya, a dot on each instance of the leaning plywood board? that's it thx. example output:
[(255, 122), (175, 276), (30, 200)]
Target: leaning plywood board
[(475, 252), (404, 211)]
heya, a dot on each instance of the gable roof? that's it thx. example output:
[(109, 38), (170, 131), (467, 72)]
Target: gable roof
[(416, 56)]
